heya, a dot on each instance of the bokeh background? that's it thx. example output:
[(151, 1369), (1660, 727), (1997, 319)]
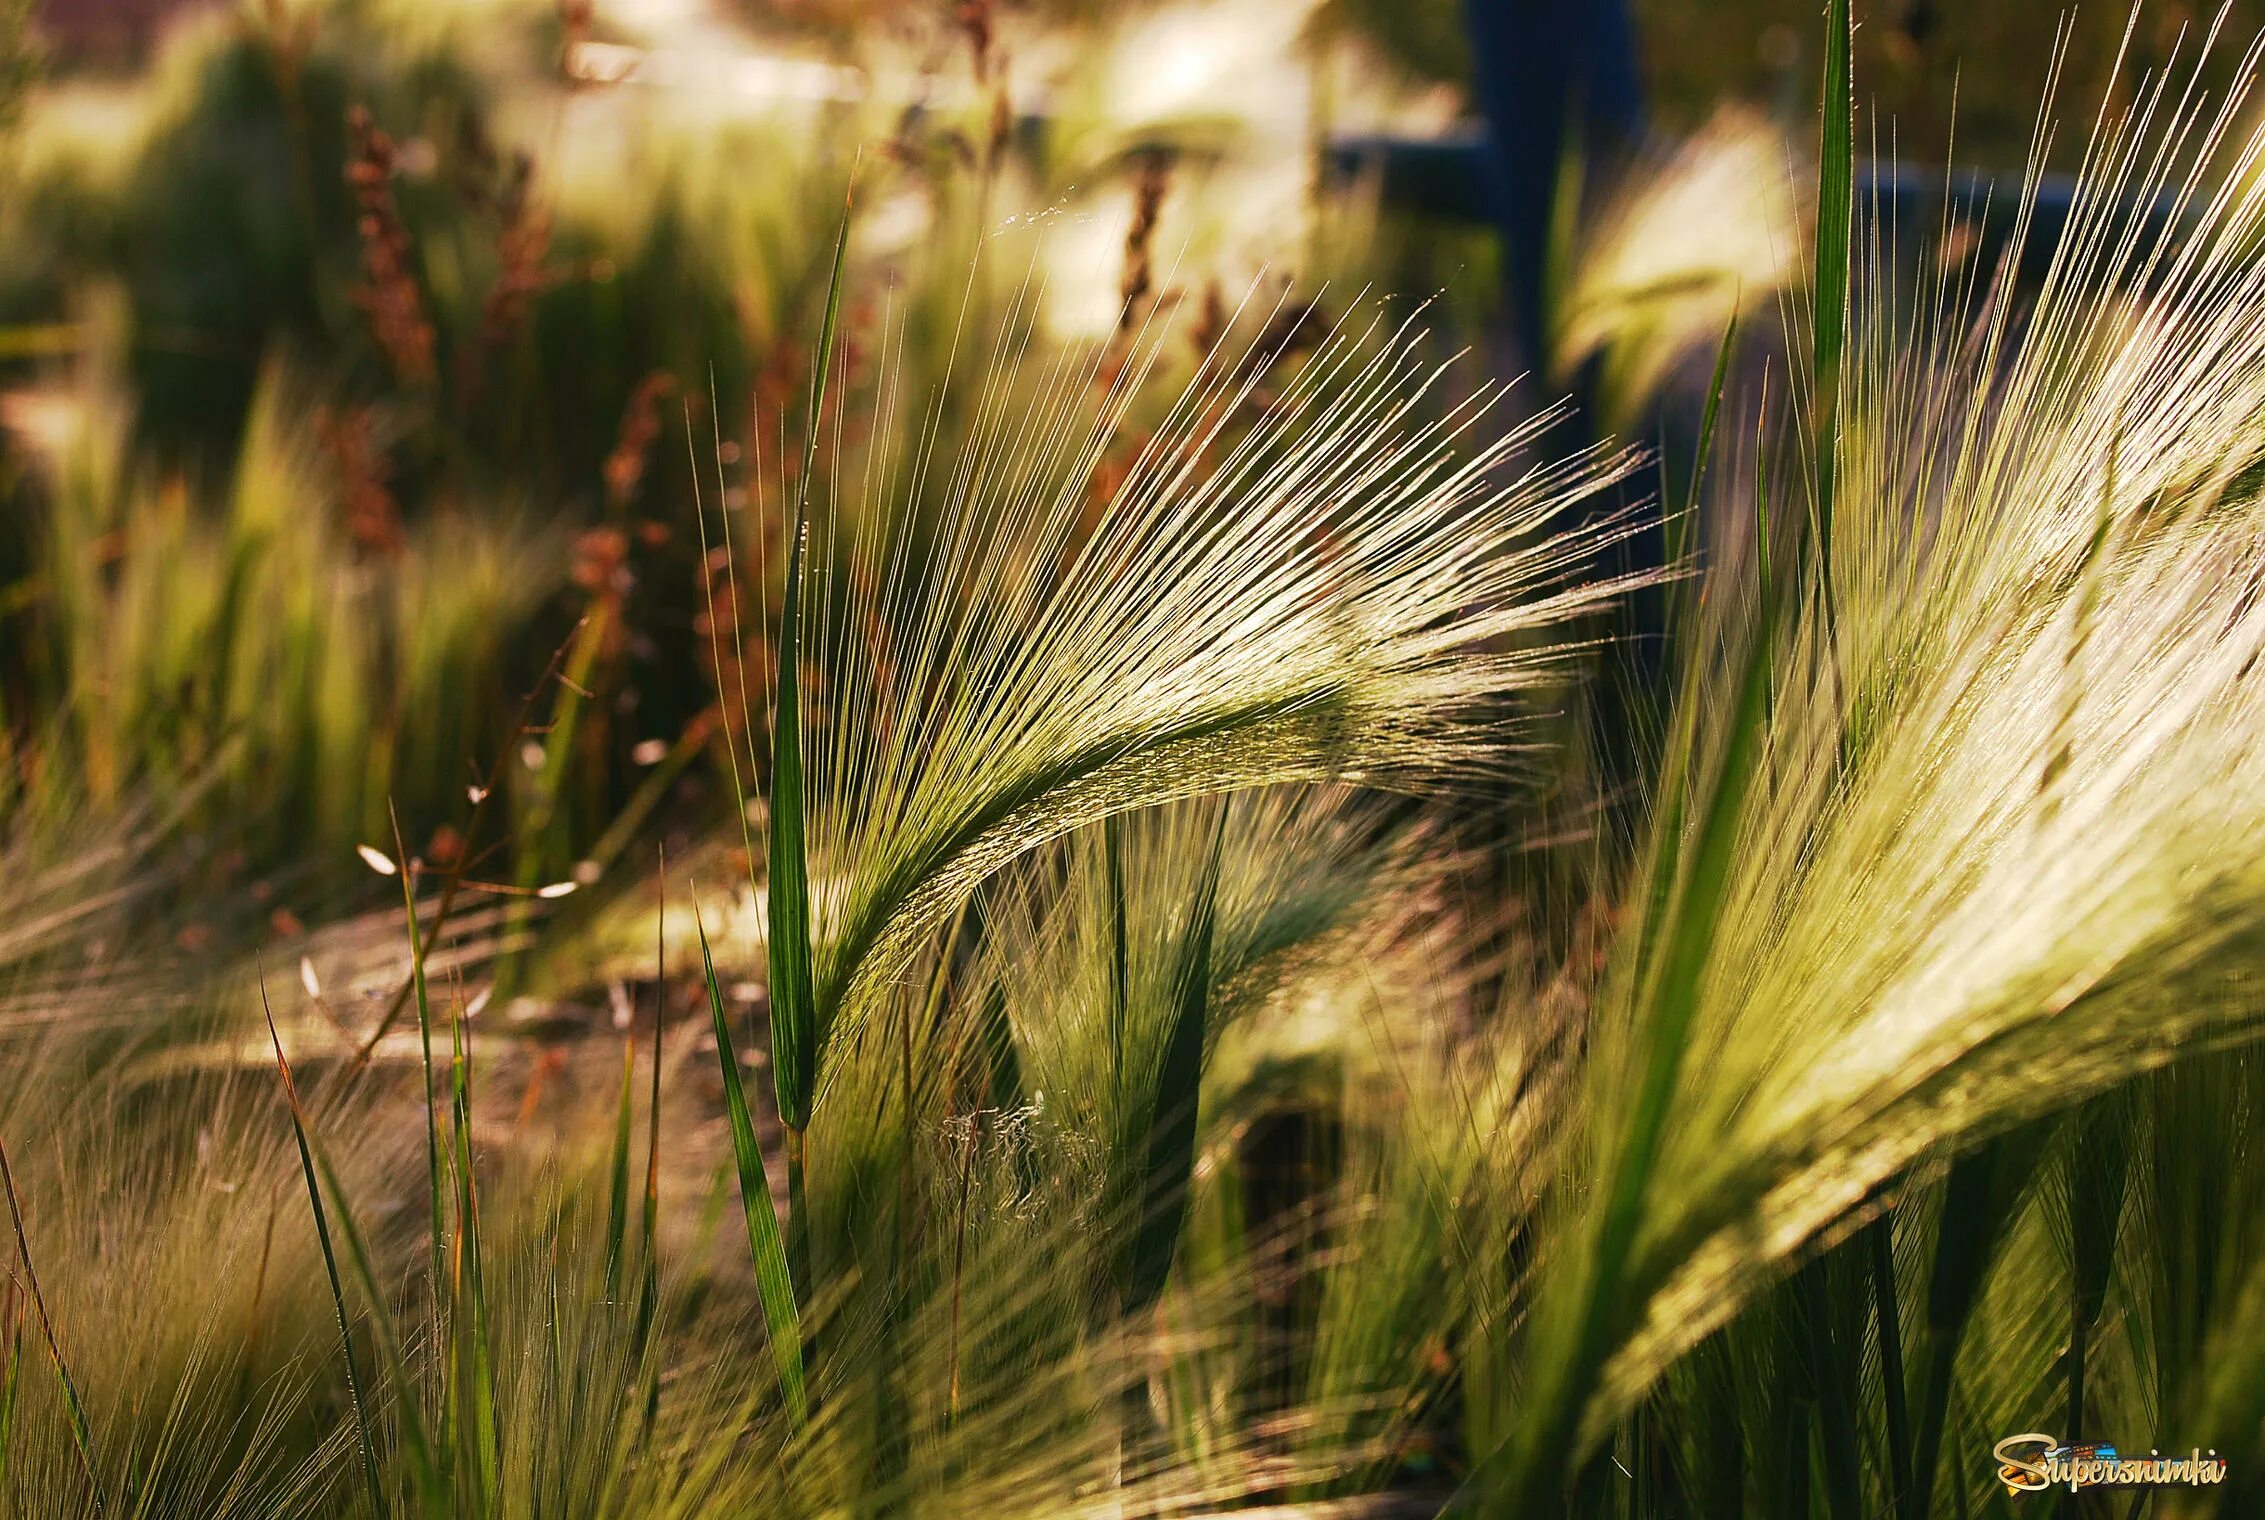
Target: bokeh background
[(361, 359)]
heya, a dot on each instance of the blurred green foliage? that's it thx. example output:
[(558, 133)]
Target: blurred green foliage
[(1937, 79), (401, 346), (1424, 37)]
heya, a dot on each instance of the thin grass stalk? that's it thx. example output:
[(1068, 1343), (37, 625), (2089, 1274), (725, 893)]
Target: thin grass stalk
[(1978, 1199), (82, 1443), (797, 1024), (554, 1360), (1836, 178), (367, 1446), (617, 1171), (1666, 1005), (1765, 590), (893, 1417), (1168, 1166), (1680, 751), (1835, 1382), (255, 1320), (1836, 205), (1685, 524), (1887, 1326), (1120, 969), (1793, 1406), (431, 1482), (2099, 1170), (649, 1283), (1168, 1159), (2059, 752), (2100, 1155), (1667, 832), (774, 1281), (959, 1270), (1941, 1348), (436, 1213), (1721, 1474), (13, 1314), (479, 1370)]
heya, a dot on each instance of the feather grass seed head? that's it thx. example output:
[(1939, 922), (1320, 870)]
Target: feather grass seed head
[(1300, 576)]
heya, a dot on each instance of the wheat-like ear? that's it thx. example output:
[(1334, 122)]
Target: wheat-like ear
[(2003, 843), (1300, 573)]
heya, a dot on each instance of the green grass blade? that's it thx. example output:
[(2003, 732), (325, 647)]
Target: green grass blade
[(554, 1357), (823, 370), (430, 1484), (782, 1319), (796, 1028), (8, 1387), (425, 1046), (1169, 1163), (1667, 1004), (330, 1264), (1765, 591), (1836, 202), (1680, 752), (2099, 1169), (1680, 527), (83, 1442), (1815, 1302), (1979, 1199), (617, 1192), (797, 1025), (479, 1375), (1120, 971), (1836, 181), (649, 1283), (1878, 1245)]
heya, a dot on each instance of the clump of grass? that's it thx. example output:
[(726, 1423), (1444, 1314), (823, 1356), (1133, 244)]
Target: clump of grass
[(1965, 950), (1171, 1120), (203, 647)]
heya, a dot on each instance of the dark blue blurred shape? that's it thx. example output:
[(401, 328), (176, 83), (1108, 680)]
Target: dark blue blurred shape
[(1550, 75)]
